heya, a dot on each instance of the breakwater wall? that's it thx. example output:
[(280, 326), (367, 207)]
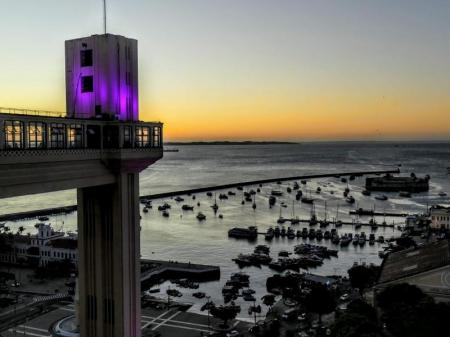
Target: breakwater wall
[(72, 208)]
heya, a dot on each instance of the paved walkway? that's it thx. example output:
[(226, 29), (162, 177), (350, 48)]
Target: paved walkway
[(169, 322)]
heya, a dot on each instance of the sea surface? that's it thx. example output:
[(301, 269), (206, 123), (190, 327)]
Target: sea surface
[(182, 237)]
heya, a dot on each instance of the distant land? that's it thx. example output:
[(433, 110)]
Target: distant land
[(228, 143)]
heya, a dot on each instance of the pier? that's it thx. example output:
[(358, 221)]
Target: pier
[(161, 271), (68, 209)]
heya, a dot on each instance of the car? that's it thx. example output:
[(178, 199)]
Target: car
[(289, 314), (344, 297), (233, 333), (302, 317), (254, 329), (15, 284)]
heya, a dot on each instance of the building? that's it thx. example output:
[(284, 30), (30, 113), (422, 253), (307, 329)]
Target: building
[(99, 147), (47, 245), (440, 217), (427, 267)]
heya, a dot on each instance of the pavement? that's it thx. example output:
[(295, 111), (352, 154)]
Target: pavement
[(169, 322)]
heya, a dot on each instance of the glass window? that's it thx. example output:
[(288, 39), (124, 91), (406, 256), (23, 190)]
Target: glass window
[(142, 136), (57, 135), (156, 136), (36, 135), (75, 135), (13, 134), (87, 84), (86, 58), (127, 136)]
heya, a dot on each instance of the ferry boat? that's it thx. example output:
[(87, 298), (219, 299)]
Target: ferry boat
[(243, 233)]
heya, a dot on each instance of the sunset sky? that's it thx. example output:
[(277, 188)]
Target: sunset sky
[(251, 69)]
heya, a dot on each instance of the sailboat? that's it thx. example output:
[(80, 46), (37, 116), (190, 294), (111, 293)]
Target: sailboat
[(295, 220), (215, 207), (313, 220), (324, 222), (337, 222), (281, 219)]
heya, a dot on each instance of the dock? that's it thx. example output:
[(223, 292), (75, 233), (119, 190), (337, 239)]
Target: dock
[(372, 213), (161, 271), (72, 208), (331, 223)]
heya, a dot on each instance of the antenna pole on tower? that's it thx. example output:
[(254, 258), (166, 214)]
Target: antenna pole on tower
[(104, 15)]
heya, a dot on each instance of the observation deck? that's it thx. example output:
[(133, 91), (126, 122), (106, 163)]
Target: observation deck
[(89, 151)]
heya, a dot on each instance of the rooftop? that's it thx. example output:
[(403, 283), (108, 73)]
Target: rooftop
[(414, 261)]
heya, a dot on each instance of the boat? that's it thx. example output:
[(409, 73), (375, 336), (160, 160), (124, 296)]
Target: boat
[(165, 214), (199, 294), (231, 193), (209, 194), (345, 240), (355, 240), (179, 199), (215, 207), (326, 235), (43, 218), (366, 192), (289, 190), (284, 253), (145, 210), (276, 193), (343, 180), (303, 182), (223, 196), (272, 200), (201, 216), (173, 293), (313, 220), (318, 190), (269, 234), (262, 249), (357, 225), (381, 197), (290, 233), (405, 194), (442, 194), (296, 186), (306, 200), (319, 234), (298, 196), (277, 231), (243, 233), (350, 199), (164, 206), (187, 208)]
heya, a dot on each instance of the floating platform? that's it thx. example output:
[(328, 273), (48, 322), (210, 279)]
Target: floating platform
[(389, 183)]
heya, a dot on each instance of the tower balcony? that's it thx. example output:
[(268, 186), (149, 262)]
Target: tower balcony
[(41, 147)]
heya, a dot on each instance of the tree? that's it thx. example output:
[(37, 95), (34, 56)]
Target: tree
[(407, 311), (225, 313), (362, 277), (320, 300), (269, 300), (359, 320)]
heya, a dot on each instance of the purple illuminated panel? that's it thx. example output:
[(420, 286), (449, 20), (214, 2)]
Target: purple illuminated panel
[(115, 78)]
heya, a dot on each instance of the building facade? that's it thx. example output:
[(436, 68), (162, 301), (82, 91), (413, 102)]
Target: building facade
[(440, 217), (47, 245)]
